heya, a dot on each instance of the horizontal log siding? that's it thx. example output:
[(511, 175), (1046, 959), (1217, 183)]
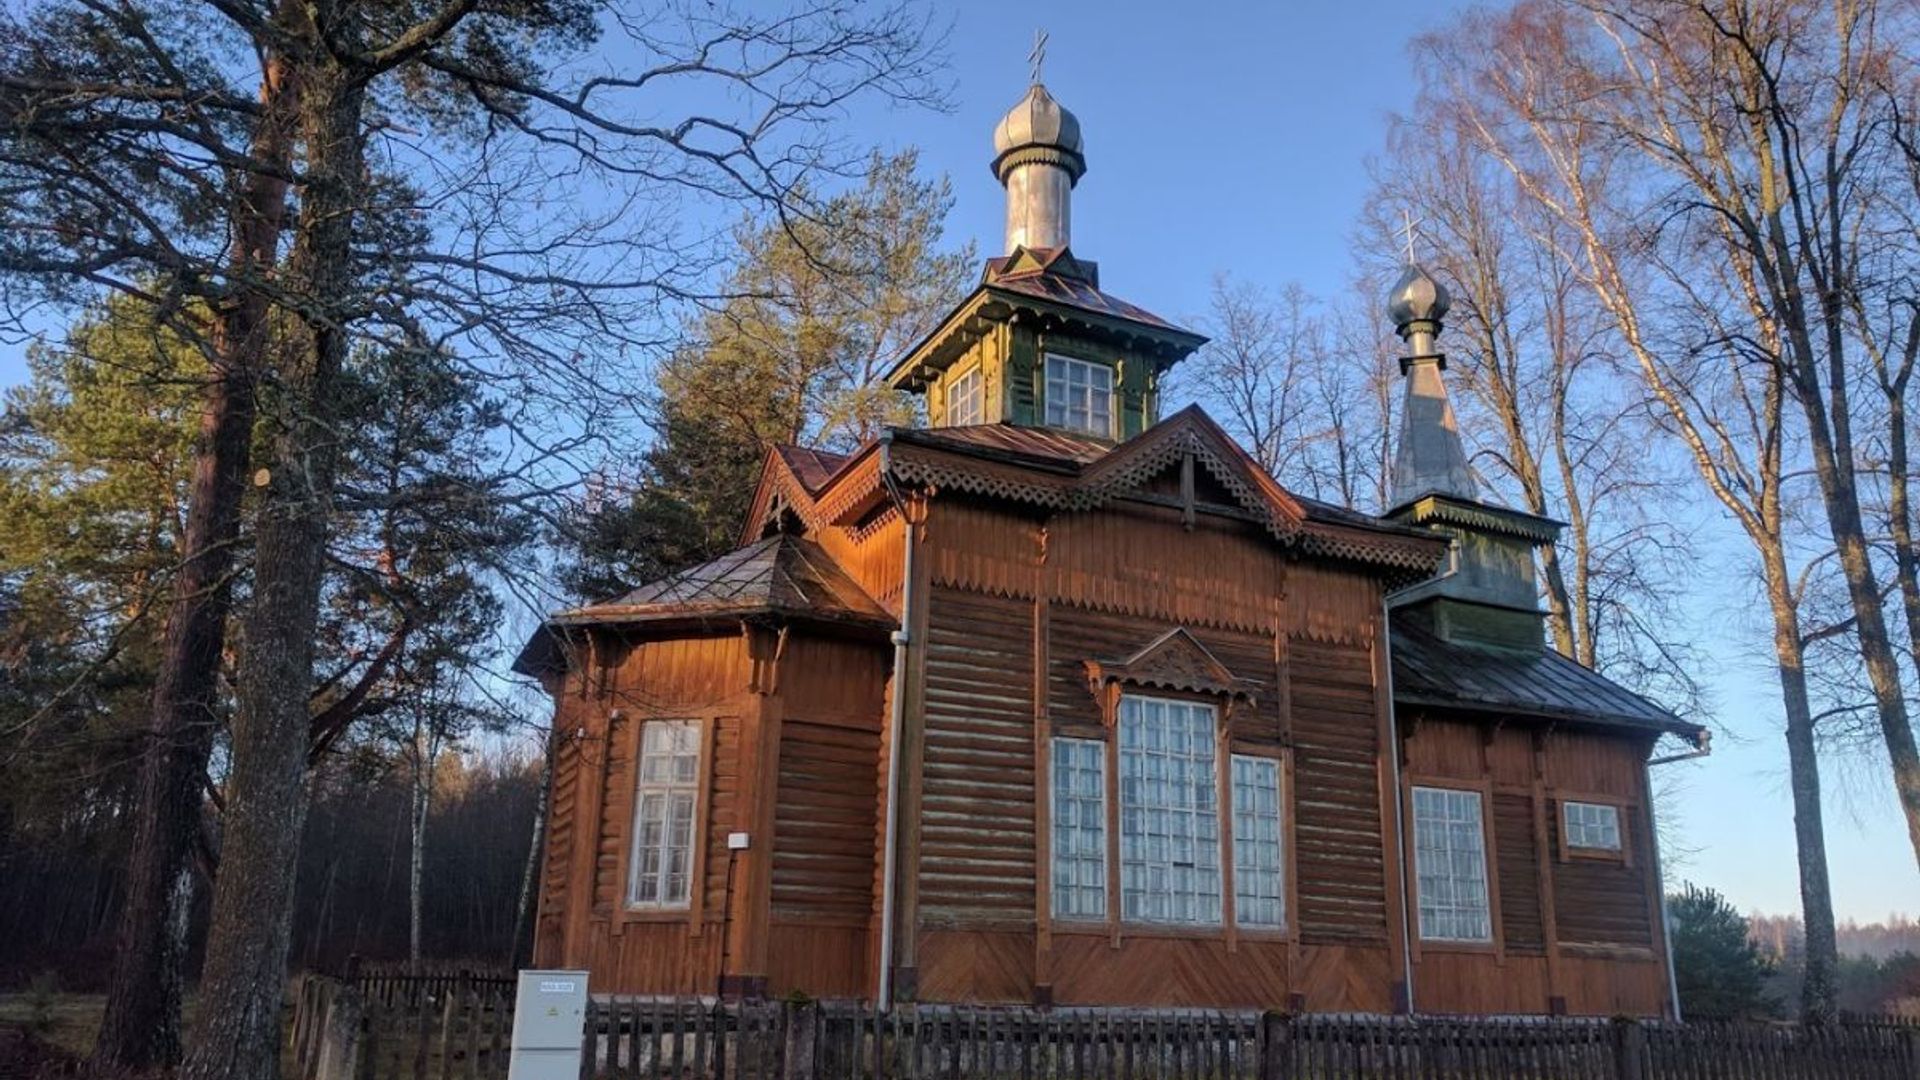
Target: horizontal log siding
[(1342, 884), (977, 845), (613, 756), (824, 837), (551, 922), (1601, 901), (1519, 870)]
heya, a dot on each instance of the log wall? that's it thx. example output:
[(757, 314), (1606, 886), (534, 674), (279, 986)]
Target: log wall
[(1574, 932)]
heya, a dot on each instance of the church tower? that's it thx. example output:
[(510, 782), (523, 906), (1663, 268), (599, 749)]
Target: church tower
[(1038, 344), (1486, 594)]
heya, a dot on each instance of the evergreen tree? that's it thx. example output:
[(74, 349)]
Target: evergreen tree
[(1719, 971), (820, 307)]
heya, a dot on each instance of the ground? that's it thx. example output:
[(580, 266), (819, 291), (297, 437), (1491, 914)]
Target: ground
[(47, 1034)]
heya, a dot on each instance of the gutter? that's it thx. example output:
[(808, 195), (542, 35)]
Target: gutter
[(896, 720)]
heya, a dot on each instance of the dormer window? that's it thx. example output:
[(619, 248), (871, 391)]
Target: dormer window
[(1079, 396), (964, 398)]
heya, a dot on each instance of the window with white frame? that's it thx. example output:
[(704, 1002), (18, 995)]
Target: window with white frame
[(1169, 814), (665, 802), (964, 399), (1592, 825), (1079, 396), (1079, 829), (1257, 899), (1450, 861)]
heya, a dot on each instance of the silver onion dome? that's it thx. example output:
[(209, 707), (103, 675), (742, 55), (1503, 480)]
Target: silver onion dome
[(1417, 298), (1038, 129)]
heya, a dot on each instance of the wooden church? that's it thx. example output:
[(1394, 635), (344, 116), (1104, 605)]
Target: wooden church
[(1058, 700)]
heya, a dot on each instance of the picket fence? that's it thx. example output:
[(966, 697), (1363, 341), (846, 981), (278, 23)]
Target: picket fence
[(449, 1030)]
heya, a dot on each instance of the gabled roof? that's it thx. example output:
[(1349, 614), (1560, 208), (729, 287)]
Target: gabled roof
[(1542, 684), (812, 467), (781, 576), (1068, 472)]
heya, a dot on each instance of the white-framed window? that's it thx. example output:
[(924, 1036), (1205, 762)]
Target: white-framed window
[(1079, 396), (1169, 813), (1450, 861), (666, 799), (1079, 828), (1592, 825), (964, 398), (1257, 869)]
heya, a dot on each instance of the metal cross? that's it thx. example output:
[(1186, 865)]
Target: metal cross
[(1038, 57), (1409, 230)]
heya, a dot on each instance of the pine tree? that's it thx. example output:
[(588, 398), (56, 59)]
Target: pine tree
[(820, 307), (1719, 971)]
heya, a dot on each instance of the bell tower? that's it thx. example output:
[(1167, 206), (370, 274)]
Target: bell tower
[(1487, 594), (1038, 344)]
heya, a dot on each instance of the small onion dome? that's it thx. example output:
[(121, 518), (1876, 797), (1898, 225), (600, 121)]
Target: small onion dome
[(1417, 298), (1038, 129)]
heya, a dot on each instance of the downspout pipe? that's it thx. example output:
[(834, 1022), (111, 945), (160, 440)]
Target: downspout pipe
[(1399, 823), (896, 720), (1701, 749)]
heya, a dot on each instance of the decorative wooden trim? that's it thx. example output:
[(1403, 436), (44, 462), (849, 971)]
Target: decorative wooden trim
[(1042, 767), (1223, 786), (1111, 758), (1175, 661)]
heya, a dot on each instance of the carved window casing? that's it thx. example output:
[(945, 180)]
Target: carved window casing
[(1079, 395), (1159, 819), (665, 813)]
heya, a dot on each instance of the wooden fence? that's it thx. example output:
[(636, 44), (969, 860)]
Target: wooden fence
[(462, 1032)]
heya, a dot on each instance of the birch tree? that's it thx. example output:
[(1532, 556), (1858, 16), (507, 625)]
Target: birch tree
[(1529, 87)]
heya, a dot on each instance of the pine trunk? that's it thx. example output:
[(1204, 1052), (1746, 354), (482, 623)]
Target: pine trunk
[(140, 1028), (237, 1037)]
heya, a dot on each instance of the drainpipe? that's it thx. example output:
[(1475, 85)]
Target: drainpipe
[(1701, 748), (1399, 822), (896, 720)]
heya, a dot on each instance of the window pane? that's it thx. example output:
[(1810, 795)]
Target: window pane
[(1079, 829), (1257, 898), (964, 398), (1079, 395), (1451, 865), (1593, 825), (666, 801), (1170, 825)]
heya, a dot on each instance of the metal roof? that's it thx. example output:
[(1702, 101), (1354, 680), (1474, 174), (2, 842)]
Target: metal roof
[(781, 575), (813, 467), (1428, 670)]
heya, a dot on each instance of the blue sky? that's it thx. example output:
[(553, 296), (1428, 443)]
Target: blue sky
[(1236, 139)]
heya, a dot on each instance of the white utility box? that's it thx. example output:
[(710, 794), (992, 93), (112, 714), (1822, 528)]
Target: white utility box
[(549, 1025)]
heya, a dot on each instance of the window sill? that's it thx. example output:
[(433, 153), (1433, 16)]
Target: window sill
[(656, 914), (1449, 945), (1083, 927)]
